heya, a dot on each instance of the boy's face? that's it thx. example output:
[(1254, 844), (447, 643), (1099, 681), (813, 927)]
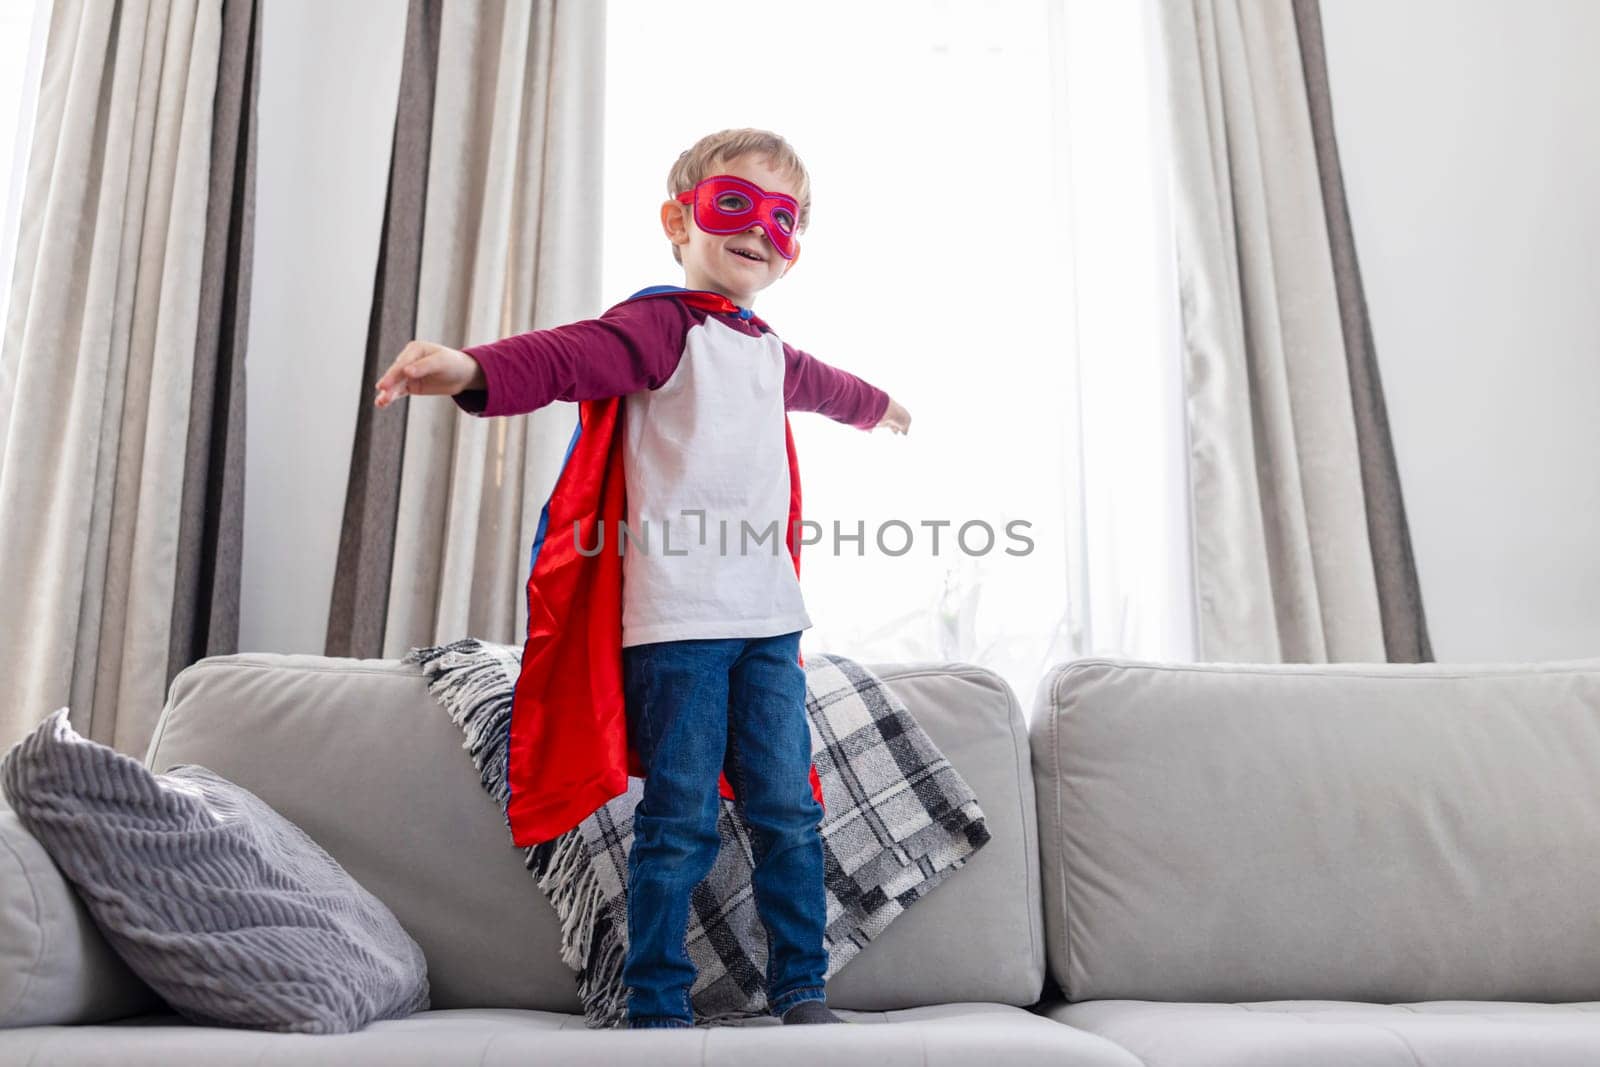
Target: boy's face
[(714, 261)]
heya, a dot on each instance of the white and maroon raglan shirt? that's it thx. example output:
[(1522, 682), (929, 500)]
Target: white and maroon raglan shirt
[(703, 426)]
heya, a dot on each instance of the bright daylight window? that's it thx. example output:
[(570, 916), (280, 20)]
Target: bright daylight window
[(935, 267)]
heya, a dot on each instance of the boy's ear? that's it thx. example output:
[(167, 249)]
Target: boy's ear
[(675, 222), (793, 260)]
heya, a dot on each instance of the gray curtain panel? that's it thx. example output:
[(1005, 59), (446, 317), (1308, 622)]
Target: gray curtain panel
[(492, 228), (1405, 628), (360, 599), (205, 608), (1301, 551), (116, 326)]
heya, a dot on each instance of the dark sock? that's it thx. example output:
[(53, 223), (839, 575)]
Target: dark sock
[(810, 1011)]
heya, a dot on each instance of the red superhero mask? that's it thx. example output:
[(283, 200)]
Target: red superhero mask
[(726, 204)]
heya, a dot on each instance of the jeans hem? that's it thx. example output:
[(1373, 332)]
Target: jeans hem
[(798, 996)]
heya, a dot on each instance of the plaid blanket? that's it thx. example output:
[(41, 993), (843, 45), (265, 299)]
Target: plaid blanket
[(898, 819)]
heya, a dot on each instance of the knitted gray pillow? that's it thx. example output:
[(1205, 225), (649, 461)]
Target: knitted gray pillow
[(224, 907)]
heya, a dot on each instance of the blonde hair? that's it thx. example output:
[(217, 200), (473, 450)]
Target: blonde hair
[(725, 146)]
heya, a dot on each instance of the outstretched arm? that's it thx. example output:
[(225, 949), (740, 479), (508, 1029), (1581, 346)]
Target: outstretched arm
[(634, 345), (809, 384)]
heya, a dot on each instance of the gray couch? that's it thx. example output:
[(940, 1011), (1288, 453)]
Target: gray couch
[(1342, 865)]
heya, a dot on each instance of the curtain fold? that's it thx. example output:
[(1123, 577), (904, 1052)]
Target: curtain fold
[(1405, 628), (205, 611), (1293, 502), (112, 330), (509, 178), (360, 598)]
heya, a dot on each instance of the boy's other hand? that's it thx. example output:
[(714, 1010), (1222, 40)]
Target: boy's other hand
[(426, 369), (895, 417)]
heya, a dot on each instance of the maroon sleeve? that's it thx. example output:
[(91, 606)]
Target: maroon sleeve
[(634, 345), (812, 385)]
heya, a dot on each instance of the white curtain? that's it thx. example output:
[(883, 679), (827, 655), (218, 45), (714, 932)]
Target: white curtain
[(97, 359), (25, 27), (1025, 157), (1285, 546), (1135, 588)]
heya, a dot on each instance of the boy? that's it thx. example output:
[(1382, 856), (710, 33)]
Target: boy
[(710, 629)]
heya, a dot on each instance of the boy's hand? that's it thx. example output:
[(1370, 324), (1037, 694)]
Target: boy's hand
[(425, 369), (895, 417)]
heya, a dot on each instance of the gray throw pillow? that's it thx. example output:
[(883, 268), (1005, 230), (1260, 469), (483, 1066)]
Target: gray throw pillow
[(224, 907)]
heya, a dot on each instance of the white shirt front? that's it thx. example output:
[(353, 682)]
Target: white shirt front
[(711, 438)]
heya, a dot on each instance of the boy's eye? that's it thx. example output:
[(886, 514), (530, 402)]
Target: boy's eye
[(785, 220), (732, 203)]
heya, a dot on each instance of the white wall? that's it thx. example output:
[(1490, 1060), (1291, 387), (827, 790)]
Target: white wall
[(1471, 153), (330, 76)]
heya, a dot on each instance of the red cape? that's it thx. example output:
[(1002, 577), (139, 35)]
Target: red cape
[(568, 750)]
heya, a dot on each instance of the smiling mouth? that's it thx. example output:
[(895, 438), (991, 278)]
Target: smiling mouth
[(746, 254)]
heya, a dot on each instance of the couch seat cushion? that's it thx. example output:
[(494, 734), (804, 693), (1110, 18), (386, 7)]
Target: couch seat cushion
[(1334, 1033), (945, 1035)]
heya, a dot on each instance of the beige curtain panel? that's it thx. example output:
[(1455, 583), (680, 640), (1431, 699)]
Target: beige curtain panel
[(121, 388), (492, 228), (1301, 548)]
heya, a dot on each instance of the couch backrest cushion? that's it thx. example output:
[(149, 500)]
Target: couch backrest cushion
[(361, 757), (188, 874), (979, 935), (1376, 832)]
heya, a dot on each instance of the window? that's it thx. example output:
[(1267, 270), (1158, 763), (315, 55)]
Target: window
[(938, 265)]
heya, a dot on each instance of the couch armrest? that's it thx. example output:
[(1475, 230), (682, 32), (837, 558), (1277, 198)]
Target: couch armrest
[(55, 967)]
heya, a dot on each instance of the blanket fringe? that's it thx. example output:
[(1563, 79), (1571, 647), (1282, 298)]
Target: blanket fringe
[(600, 985), (570, 882), (482, 708)]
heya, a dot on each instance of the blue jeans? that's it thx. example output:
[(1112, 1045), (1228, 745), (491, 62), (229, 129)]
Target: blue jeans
[(696, 708)]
